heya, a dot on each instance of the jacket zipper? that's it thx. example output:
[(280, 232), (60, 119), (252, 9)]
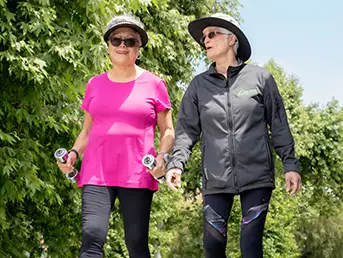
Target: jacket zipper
[(231, 127), (203, 163)]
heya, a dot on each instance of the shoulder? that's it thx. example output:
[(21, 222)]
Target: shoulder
[(198, 79), (95, 80), (256, 70), (152, 78)]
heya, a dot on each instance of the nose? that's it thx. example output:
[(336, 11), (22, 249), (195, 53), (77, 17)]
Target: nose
[(206, 40), (122, 44)]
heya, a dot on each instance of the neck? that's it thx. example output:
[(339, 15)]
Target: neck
[(223, 63), (124, 73)]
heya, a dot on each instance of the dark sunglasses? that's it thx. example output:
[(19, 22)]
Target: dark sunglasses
[(128, 42), (211, 35)]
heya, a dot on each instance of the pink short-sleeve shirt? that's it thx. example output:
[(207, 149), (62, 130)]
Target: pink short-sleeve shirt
[(124, 120)]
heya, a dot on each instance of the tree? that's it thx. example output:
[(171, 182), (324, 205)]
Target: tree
[(48, 51), (319, 143)]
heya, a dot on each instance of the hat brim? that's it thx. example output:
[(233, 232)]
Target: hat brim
[(196, 28), (140, 31)]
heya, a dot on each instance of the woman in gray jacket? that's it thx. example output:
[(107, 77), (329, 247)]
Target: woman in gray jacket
[(230, 106)]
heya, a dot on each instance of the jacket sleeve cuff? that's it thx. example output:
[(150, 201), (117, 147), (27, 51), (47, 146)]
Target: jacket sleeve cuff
[(291, 167), (175, 164)]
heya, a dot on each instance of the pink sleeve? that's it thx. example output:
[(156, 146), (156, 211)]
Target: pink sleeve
[(162, 101), (87, 97)]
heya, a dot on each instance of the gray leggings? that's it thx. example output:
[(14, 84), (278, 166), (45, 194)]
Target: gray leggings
[(97, 202)]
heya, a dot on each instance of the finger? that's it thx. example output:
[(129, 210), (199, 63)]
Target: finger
[(170, 184), (61, 165), (297, 185), (288, 184), (178, 181), (300, 185), (64, 169), (69, 162), (294, 188)]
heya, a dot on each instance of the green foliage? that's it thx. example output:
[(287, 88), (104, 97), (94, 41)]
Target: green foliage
[(46, 54), (322, 237), (318, 135), (48, 51)]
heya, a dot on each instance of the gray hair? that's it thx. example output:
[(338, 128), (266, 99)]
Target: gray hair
[(236, 46)]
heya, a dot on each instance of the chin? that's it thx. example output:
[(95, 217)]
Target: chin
[(212, 57), (123, 62)]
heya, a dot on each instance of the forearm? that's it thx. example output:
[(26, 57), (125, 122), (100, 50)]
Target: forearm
[(287, 156), (167, 141), (182, 148), (81, 142)]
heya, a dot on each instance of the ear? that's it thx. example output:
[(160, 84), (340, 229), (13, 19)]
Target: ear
[(233, 39), (138, 54)]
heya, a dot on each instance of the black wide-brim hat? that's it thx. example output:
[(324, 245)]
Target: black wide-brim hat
[(129, 22), (225, 21)]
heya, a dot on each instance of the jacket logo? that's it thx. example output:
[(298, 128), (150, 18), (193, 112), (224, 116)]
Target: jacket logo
[(247, 92)]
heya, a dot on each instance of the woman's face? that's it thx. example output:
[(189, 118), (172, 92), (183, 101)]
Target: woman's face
[(123, 46), (217, 43)]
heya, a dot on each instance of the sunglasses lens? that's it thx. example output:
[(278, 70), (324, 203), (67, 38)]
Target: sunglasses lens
[(130, 42), (212, 34), (202, 40), (115, 42)]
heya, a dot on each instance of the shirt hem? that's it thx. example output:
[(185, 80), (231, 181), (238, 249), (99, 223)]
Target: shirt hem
[(118, 184)]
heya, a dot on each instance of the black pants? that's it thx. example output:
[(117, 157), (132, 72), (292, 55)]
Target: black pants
[(97, 202), (217, 208)]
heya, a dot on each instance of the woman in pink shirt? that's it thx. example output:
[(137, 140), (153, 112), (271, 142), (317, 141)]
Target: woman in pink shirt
[(122, 108)]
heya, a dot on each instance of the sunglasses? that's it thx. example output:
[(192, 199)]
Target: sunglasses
[(128, 42), (211, 35)]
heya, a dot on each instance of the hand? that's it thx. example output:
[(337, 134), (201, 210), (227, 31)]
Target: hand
[(293, 182), (160, 169), (68, 167), (173, 179)]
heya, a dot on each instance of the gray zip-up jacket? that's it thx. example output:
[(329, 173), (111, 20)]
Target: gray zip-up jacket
[(232, 115)]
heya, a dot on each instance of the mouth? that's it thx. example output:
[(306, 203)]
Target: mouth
[(122, 52), (208, 48)]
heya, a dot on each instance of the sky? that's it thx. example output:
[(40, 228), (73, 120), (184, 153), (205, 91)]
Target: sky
[(304, 37)]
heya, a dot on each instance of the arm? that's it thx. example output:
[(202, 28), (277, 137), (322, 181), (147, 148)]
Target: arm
[(282, 139), (82, 140), (276, 116), (79, 145), (165, 124), (188, 129)]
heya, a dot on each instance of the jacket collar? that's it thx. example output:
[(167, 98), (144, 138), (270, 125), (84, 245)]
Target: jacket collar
[(232, 70)]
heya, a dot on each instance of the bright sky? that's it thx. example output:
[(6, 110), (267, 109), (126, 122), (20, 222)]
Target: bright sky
[(305, 37)]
